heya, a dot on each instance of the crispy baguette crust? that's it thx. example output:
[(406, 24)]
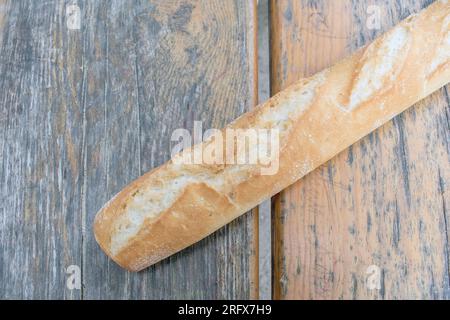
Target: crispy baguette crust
[(174, 206)]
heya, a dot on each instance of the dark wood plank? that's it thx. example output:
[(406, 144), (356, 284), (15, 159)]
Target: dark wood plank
[(84, 112), (41, 171), (384, 201), (191, 61)]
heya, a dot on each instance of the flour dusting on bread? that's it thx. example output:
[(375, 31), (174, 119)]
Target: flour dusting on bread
[(381, 65), (296, 101), (163, 190), (443, 52)]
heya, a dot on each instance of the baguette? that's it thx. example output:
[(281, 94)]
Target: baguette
[(176, 205)]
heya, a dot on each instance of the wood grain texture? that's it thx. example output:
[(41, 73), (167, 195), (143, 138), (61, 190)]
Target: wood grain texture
[(382, 202), (84, 112)]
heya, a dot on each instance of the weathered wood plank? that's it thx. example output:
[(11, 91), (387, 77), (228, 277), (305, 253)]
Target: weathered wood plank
[(264, 209), (384, 201), (84, 112), (41, 137)]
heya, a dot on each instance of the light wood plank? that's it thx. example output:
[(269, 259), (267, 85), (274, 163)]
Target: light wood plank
[(383, 201)]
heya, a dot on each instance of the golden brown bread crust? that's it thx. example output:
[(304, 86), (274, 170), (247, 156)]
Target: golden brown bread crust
[(174, 206)]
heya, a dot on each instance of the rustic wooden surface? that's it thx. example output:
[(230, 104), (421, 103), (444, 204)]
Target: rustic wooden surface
[(84, 112), (382, 202)]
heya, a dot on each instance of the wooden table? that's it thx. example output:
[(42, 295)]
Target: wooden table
[(84, 112), (378, 209)]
